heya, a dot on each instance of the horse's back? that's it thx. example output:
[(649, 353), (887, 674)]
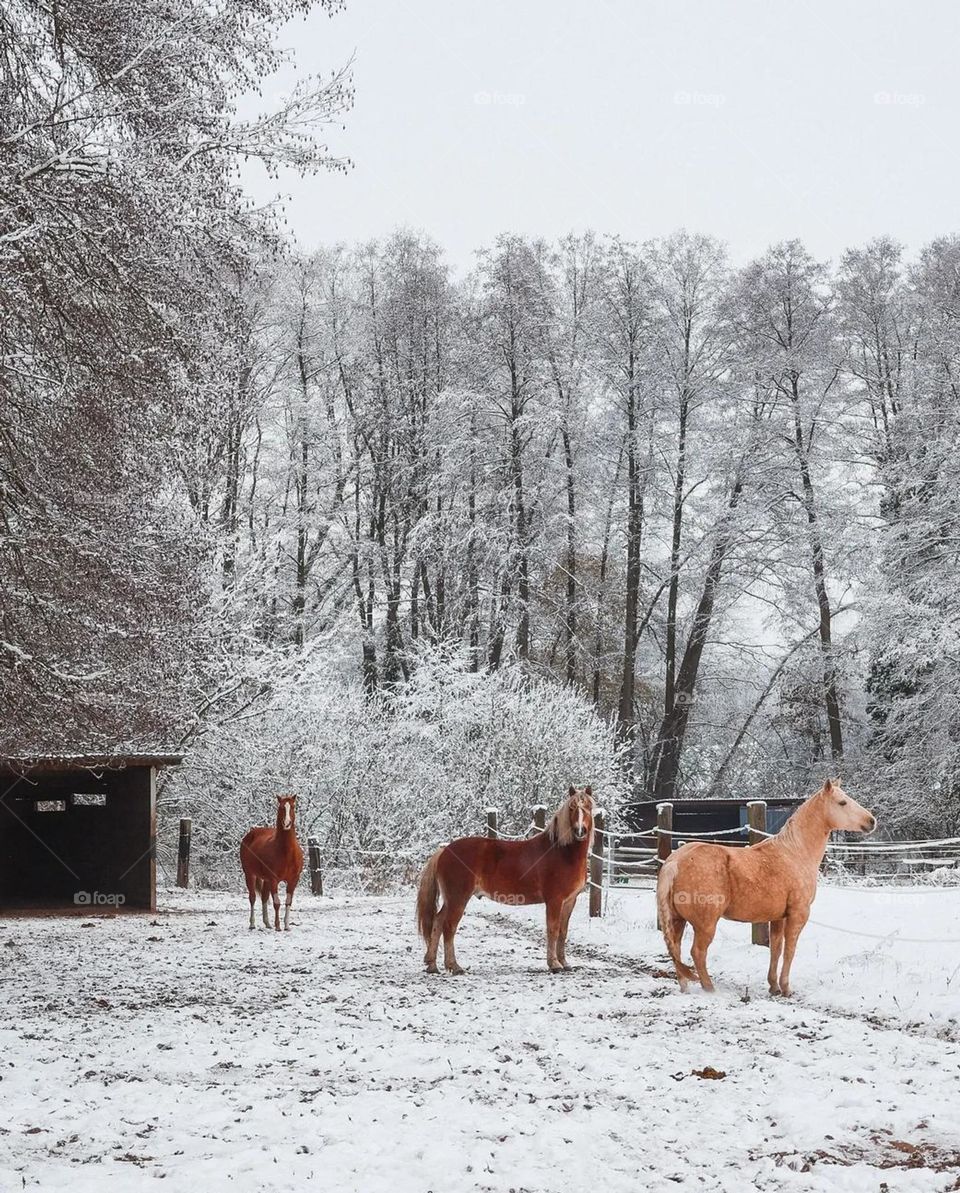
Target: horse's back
[(520, 871), (256, 836), (252, 848), (749, 885)]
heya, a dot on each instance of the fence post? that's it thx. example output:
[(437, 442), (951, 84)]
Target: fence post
[(540, 817), (757, 820), (664, 838), (183, 852), (313, 857), (492, 819), (595, 868)]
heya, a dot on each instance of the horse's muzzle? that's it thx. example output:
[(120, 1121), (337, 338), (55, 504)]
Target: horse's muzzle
[(869, 824)]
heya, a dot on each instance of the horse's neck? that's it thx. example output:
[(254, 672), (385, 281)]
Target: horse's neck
[(284, 836), (807, 833)]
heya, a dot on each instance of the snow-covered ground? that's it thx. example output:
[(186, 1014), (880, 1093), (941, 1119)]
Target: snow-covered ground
[(185, 1047)]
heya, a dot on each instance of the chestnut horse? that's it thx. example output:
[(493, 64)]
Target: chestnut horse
[(775, 882), (549, 868), (270, 856)]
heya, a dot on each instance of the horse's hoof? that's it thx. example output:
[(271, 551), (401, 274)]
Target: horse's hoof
[(432, 969), (456, 970)]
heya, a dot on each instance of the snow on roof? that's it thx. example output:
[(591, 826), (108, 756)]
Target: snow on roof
[(62, 763)]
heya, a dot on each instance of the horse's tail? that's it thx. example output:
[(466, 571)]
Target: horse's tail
[(665, 908), (428, 897)]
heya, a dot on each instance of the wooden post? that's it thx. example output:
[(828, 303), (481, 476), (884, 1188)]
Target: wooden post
[(540, 817), (595, 864), (664, 838), (665, 835), (183, 852), (492, 819), (757, 820), (316, 874)]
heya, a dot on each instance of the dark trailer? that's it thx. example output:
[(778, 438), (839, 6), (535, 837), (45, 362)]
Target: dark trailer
[(79, 832)]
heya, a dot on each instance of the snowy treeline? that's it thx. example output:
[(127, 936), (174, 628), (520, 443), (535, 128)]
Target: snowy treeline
[(692, 526), (718, 503)]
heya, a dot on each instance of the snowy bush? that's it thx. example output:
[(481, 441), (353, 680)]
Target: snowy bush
[(381, 782)]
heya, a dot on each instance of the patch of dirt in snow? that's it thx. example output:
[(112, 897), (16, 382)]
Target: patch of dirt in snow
[(191, 1049)]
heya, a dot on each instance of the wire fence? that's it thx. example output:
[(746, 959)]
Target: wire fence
[(623, 859), (630, 860)]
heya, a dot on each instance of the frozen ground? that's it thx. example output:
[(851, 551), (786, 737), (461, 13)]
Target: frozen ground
[(186, 1047)]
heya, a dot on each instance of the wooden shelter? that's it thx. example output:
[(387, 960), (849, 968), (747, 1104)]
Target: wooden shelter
[(79, 832), (725, 817)]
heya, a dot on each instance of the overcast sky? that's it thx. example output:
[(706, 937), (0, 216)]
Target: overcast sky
[(755, 121)]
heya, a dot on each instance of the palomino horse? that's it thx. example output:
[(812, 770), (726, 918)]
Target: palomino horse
[(549, 868), (270, 856), (774, 881)]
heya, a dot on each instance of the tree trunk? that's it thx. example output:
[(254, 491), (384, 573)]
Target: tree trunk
[(522, 559), (669, 747), (626, 716), (673, 591), (831, 697), (570, 668)]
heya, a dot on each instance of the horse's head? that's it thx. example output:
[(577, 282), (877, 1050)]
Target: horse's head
[(842, 812), (286, 810), (573, 820)]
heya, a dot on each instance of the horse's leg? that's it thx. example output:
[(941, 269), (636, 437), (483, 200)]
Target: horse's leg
[(291, 887), (565, 912), (703, 935), (554, 916), (430, 956), (792, 927), (265, 901), (252, 894), (776, 948), (451, 921), (673, 935), (275, 892)]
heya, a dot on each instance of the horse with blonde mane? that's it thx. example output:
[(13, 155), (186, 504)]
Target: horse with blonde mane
[(549, 868), (775, 882)]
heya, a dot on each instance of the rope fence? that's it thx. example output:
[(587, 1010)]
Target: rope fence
[(626, 859)]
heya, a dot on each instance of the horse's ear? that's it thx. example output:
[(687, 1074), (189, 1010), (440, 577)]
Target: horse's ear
[(572, 792), (828, 785), (588, 791)]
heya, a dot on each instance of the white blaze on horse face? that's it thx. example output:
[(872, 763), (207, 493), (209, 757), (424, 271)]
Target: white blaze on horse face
[(288, 814), (581, 828), (846, 815)]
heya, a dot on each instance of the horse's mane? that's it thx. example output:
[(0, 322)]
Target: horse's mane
[(793, 829), (560, 825)]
